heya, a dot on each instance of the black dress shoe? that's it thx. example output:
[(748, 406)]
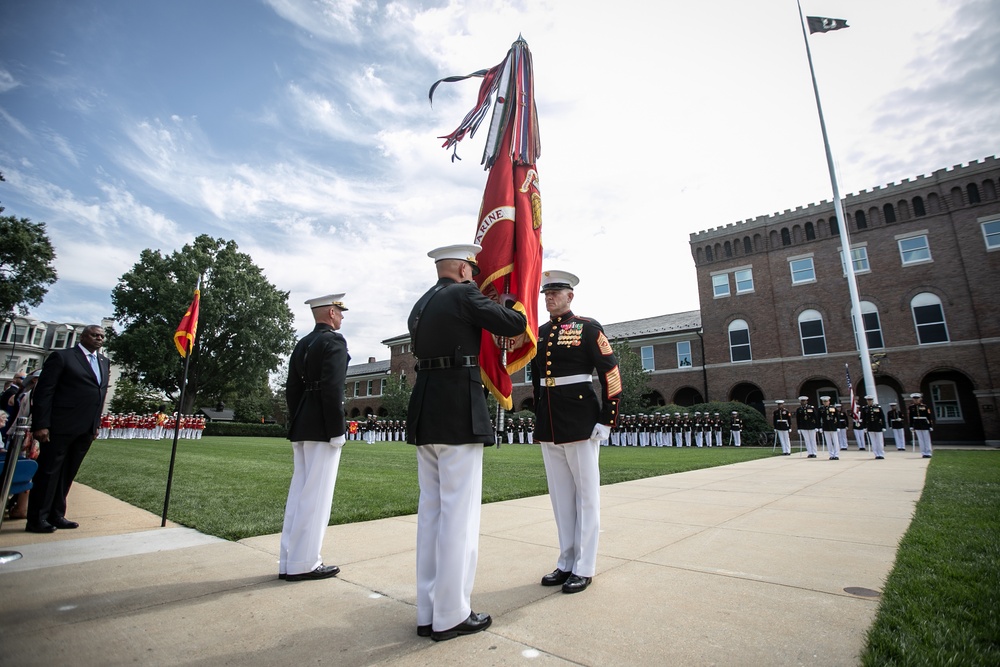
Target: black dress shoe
[(40, 527), (556, 577), (811, 456), (424, 631), (474, 623), (321, 572), (575, 584), (64, 523), (879, 457), (282, 576)]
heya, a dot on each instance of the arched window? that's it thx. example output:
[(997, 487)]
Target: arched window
[(810, 232), (903, 209), (739, 341), (834, 229), (933, 203), (989, 190), (772, 239), (873, 326), (786, 238), (796, 234), (708, 253), (889, 213), (860, 221), (747, 245), (918, 207), (956, 197), (811, 333), (873, 215), (729, 249), (972, 190), (758, 243), (928, 318), (944, 398)]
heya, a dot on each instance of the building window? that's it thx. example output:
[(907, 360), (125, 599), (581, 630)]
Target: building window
[(357, 388), (918, 207), (60, 341), (381, 389), (720, 285), (802, 270), (873, 326), (739, 341), (646, 352), (527, 373), (834, 229), (860, 220), (747, 245), (811, 333), (371, 388), (12, 363), (889, 213), (786, 238), (991, 233), (744, 281), (859, 258), (684, 354), (810, 232), (944, 396), (39, 337), (914, 250), (972, 190), (928, 317)]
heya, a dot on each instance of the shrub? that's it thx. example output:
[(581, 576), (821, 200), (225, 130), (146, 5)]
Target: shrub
[(246, 429)]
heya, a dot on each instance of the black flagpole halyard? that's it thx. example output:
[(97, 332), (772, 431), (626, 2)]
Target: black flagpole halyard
[(177, 429)]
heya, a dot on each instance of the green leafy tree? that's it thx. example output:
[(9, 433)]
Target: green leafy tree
[(244, 328), (396, 397), (635, 381), (253, 404), (26, 256), (135, 396)]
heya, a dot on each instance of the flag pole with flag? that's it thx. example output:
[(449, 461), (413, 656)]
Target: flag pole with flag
[(823, 25), (184, 339), (510, 217)]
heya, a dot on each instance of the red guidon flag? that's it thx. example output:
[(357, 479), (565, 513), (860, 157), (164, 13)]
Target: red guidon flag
[(188, 328), (509, 227)]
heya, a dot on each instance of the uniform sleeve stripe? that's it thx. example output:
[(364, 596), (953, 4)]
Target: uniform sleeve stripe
[(604, 345), (614, 380)]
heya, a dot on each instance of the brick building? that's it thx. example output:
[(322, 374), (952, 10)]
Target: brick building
[(775, 319)]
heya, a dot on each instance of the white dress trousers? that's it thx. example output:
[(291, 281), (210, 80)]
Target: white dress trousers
[(878, 443), (809, 437), (574, 479), (786, 445), (832, 440), (899, 437), (307, 510), (451, 494)]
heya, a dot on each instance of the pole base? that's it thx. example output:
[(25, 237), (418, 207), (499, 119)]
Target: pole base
[(9, 556)]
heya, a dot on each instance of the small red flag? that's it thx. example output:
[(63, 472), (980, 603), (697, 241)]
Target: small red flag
[(188, 328)]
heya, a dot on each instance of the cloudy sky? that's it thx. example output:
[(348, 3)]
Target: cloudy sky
[(301, 130)]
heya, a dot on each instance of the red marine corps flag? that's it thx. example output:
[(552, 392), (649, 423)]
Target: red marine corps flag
[(509, 227), (188, 328)]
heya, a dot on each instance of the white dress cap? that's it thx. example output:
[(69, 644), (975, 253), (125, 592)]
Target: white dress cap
[(558, 280), (464, 251), (328, 300), (916, 395)]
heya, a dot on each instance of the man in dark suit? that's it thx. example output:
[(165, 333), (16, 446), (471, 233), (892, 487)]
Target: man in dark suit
[(447, 418), (65, 415), (572, 421), (317, 371)]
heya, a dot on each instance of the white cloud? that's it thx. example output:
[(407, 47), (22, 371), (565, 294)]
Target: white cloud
[(7, 80)]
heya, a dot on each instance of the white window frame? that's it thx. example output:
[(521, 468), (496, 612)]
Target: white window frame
[(941, 411), (371, 388), (902, 238), (684, 356), (859, 257), (929, 299), (812, 315), (991, 233), (737, 280), (869, 308), (527, 373), (717, 284), (648, 360), (381, 388), (357, 388), (59, 342), (792, 271), (733, 326)]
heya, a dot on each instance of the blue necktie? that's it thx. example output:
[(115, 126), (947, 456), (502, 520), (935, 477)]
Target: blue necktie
[(95, 365)]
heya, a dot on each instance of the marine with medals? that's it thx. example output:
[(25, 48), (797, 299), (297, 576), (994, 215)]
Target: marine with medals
[(572, 420)]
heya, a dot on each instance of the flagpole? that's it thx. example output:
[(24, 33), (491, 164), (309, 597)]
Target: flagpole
[(845, 241), (177, 424)]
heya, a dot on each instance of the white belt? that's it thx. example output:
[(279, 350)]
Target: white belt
[(568, 379)]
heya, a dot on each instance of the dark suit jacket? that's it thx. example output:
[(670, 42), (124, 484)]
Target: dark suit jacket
[(448, 405), (68, 399), (317, 371)]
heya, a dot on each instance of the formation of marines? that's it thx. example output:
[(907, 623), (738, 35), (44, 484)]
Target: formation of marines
[(700, 429), (373, 430), (151, 426)]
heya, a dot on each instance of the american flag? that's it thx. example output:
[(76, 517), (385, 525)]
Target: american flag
[(855, 410)]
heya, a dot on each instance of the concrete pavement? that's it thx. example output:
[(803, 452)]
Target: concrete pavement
[(771, 562)]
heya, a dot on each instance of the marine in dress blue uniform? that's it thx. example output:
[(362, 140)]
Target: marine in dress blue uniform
[(572, 420), (317, 371), (449, 422)]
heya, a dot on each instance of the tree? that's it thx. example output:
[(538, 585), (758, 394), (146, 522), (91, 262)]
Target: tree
[(253, 404), (26, 256), (635, 380), (244, 329), (136, 396), (396, 397)]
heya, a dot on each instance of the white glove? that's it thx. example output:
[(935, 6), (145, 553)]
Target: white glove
[(601, 432), (338, 441)]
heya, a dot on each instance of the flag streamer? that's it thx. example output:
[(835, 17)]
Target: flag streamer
[(510, 217), (188, 328)]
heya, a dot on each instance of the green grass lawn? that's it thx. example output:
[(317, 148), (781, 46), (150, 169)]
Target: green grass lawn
[(941, 603), (235, 487)]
